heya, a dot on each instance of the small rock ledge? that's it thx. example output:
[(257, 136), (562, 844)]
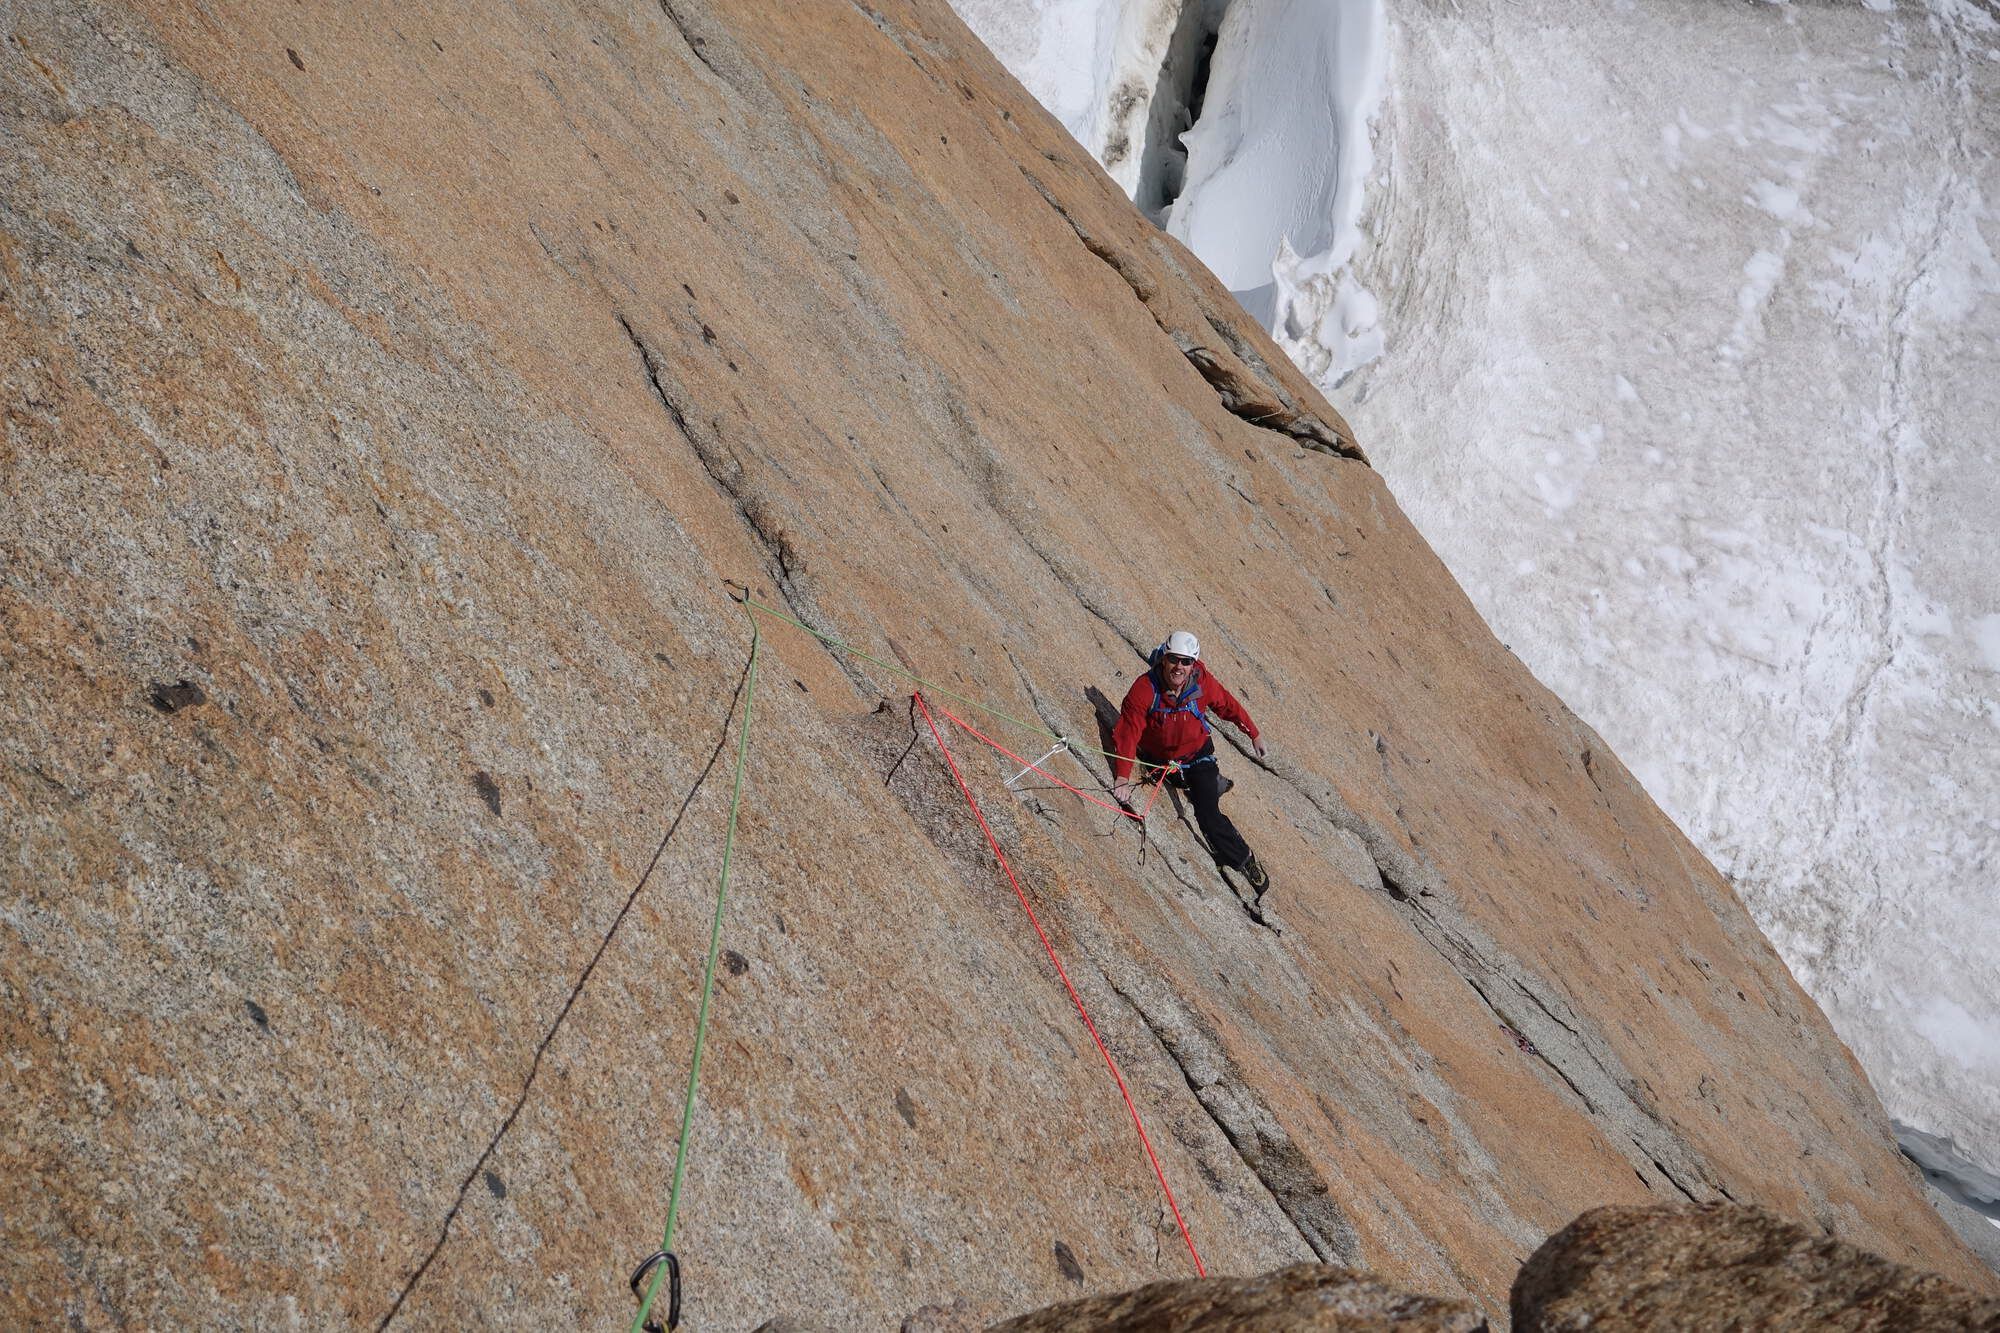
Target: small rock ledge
[(1613, 1270)]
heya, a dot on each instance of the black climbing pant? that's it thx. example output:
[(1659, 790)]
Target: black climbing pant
[(1201, 778)]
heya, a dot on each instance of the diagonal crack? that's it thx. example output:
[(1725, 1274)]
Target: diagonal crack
[(696, 43), (1256, 399), (726, 471), (1519, 1000), (711, 43), (1580, 1061), (1266, 1150), (673, 409)]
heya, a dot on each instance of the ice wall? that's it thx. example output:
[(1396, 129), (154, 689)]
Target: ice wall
[(1275, 173), (1689, 339), (1100, 67), (1239, 125)]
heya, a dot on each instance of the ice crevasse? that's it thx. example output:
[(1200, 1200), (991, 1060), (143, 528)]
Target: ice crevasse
[(1240, 127)]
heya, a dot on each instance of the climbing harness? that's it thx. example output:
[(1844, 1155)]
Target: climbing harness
[(672, 1265), (1183, 765), (1077, 1000)]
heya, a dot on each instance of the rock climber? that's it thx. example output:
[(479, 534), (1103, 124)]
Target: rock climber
[(1164, 720)]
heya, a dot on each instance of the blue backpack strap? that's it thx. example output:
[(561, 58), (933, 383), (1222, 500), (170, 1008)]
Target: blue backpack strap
[(1193, 705)]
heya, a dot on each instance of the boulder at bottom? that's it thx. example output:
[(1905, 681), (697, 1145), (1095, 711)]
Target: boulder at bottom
[(1721, 1266), (1305, 1296)]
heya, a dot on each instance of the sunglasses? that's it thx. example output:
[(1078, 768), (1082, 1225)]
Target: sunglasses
[(1172, 659)]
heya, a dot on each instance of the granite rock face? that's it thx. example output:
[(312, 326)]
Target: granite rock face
[(1304, 1296), (1718, 1266), (385, 397)]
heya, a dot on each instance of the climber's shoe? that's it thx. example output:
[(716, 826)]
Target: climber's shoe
[(1253, 872)]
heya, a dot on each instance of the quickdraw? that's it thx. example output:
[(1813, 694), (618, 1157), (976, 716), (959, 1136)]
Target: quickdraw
[(673, 1289)]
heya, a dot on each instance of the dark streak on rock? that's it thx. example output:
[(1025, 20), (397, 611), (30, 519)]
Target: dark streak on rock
[(695, 42), (653, 376), (1066, 1262), (1660, 1166), (488, 789), (181, 694)]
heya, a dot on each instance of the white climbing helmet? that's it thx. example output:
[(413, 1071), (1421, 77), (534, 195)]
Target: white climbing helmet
[(1182, 644)]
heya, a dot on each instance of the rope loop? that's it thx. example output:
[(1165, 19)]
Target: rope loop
[(1131, 1107), (1033, 765)]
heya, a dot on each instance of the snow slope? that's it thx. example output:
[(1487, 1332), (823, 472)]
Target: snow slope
[(1676, 328)]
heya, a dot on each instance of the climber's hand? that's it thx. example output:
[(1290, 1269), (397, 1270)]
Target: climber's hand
[(1121, 792), (1258, 746)]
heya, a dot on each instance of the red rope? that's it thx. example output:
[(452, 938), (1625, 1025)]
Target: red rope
[(1166, 771), (1075, 999), (1139, 815)]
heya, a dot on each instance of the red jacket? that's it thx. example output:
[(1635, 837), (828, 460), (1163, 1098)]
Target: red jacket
[(1170, 735)]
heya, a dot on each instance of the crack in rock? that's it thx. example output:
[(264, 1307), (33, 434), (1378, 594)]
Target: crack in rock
[(673, 409), (1244, 384), (1581, 1061), (762, 517), (1246, 1121), (697, 41)]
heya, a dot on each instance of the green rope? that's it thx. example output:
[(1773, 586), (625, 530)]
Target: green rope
[(722, 889), (931, 685), (707, 989)]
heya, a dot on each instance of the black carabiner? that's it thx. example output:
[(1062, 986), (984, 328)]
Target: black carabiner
[(673, 1288)]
